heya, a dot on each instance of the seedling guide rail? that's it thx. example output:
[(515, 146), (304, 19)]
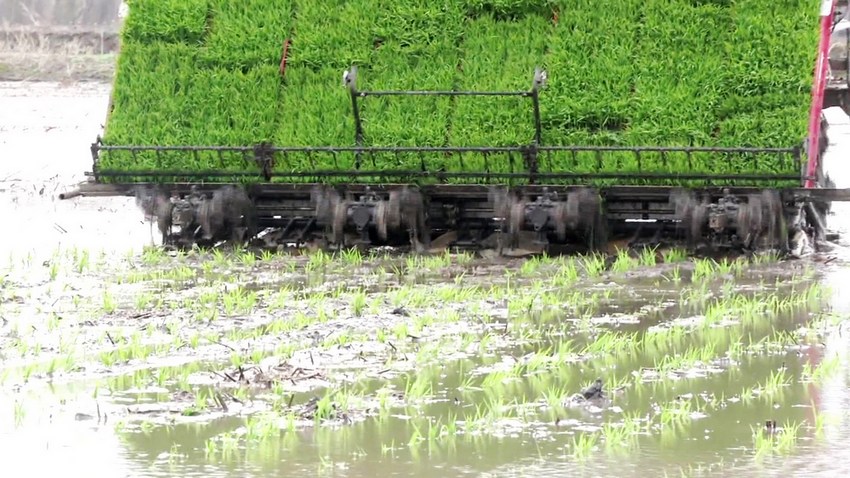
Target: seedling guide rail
[(507, 165)]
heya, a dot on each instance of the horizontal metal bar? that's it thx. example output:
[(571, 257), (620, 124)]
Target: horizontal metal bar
[(111, 173), (106, 147), (624, 192), (447, 175), (454, 149), (670, 149), (70, 194), (442, 93), (518, 164), (453, 192)]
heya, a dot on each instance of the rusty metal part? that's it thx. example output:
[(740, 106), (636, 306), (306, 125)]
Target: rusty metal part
[(775, 230), (394, 214), (379, 216), (698, 219), (516, 221), (325, 199), (561, 215)]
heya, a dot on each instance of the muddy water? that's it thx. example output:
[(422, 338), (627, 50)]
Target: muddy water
[(441, 366), (120, 361)]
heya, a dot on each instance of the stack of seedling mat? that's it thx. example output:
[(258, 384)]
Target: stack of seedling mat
[(621, 72)]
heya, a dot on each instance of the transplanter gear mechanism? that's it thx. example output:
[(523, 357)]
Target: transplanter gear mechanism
[(755, 220), (529, 194), (392, 212), (578, 213)]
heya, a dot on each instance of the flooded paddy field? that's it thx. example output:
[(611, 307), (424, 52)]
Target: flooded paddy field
[(122, 359), (351, 364)]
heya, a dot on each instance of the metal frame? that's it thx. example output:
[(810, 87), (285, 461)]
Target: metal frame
[(537, 83), (509, 165), (518, 163), (471, 210)]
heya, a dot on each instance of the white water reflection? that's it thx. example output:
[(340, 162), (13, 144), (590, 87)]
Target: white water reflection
[(832, 396), (45, 133), (41, 437)]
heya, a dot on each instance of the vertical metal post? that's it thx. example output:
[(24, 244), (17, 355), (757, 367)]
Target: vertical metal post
[(531, 157), (358, 130), (263, 157), (537, 83), (95, 155), (535, 100), (818, 85), (349, 79), (283, 56)]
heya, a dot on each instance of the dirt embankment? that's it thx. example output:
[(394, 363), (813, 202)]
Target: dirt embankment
[(65, 56), (68, 40)]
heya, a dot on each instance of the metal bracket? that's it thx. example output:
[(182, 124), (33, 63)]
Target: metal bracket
[(723, 214), (539, 213), (264, 157), (539, 82), (363, 213), (95, 155)]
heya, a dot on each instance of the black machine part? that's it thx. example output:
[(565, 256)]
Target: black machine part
[(227, 214), (578, 213), (397, 211), (755, 220)]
